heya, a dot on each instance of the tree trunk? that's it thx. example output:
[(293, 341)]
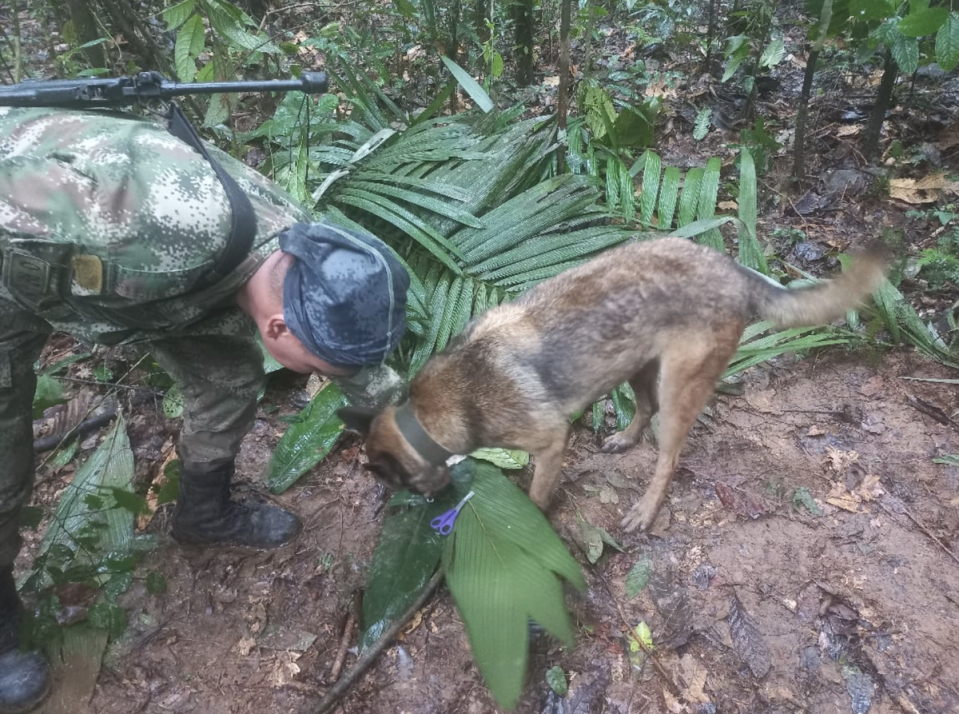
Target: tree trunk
[(562, 99), (710, 35), (524, 33), (799, 147), (85, 27), (879, 109)]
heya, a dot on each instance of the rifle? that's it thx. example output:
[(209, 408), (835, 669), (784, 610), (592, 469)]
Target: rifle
[(114, 91)]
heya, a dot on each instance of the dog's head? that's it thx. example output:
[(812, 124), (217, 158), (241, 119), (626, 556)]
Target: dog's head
[(391, 458)]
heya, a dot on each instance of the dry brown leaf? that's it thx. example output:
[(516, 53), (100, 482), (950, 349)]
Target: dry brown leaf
[(672, 704), (848, 130), (413, 624), (245, 646), (285, 669), (551, 81), (159, 480), (815, 431), (693, 674), (839, 459), (728, 205), (948, 138), (924, 190)]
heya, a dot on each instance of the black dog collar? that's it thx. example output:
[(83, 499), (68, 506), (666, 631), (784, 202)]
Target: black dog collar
[(416, 435)]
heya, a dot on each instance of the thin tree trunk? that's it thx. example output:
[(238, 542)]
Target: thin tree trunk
[(524, 33), (85, 27), (879, 109), (562, 99), (710, 34), (799, 148)]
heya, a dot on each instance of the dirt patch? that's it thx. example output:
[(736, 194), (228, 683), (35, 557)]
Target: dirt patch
[(754, 602)]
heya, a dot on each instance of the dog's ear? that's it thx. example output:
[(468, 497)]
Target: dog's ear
[(358, 419)]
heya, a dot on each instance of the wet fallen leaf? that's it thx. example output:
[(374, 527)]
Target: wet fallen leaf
[(693, 674), (740, 502), (748, 641), (637, 577)]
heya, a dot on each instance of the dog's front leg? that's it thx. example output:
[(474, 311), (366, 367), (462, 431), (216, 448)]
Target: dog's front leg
[(549, 467)]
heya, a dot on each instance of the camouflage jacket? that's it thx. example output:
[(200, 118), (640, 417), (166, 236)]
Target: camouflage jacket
[(126, 218)]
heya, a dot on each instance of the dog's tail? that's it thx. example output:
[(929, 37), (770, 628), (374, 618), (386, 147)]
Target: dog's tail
[(824, 302)]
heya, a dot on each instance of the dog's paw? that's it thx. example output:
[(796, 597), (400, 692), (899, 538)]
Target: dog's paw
[(640, 516), (617, 444)]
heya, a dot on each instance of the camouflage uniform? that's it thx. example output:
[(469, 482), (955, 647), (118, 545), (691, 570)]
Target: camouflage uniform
[(106, 224)]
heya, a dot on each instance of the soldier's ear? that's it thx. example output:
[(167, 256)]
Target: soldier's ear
[(357, 419)]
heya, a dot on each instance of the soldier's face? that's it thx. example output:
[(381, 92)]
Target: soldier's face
[(287, 349)]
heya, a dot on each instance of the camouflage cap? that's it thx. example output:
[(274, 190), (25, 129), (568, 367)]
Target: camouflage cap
[(345, 295)]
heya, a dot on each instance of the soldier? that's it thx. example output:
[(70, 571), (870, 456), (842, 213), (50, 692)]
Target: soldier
[(117, 232)]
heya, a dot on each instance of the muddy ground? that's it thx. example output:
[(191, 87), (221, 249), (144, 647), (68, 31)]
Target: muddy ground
[(755, 604)]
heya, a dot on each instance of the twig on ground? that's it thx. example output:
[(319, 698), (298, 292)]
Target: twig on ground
[(923, 529), (337, 667), (371, 653)]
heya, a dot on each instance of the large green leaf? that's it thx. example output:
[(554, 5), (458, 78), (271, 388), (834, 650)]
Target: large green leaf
[(503, 565), (84, 528), (923, 22), (307, 440), (469, 85), (947, 43), (407, 553)]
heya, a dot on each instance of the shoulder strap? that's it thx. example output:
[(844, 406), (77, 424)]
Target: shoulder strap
[(242, 215)]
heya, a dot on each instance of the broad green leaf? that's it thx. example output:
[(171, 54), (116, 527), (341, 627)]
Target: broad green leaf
[(689, 200), (504, 458), (176, 15), (102, 531), (230, 26), (624, 404), (641, 635), (501, 565), (406, 556), (923, 22), (647, 201), (633, 129), (133, 502), (496, 66), (905, 50), (701, 127), (49, 392), (707, 202), (556, 679), (947, 43), (117, 585), (189, 45), (173, 403), (469, 85), (308, 441), (637, 577), (750, 251), (773, 54), (668, 194)]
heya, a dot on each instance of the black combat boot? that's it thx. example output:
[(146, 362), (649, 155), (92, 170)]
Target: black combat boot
[(205, 515), (24, 676)]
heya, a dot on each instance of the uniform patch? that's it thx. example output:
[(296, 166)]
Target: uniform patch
[(88, 272), (26, 276)]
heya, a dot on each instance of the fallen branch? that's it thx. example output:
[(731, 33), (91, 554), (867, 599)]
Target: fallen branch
[(921, 527), (373, 651)]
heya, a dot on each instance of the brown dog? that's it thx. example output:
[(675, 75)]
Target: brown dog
[(664, 315)]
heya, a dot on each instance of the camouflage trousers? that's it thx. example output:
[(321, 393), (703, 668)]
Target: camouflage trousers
[(219, 378)]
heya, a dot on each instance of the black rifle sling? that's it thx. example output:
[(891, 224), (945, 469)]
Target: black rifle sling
[(242, 216)]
